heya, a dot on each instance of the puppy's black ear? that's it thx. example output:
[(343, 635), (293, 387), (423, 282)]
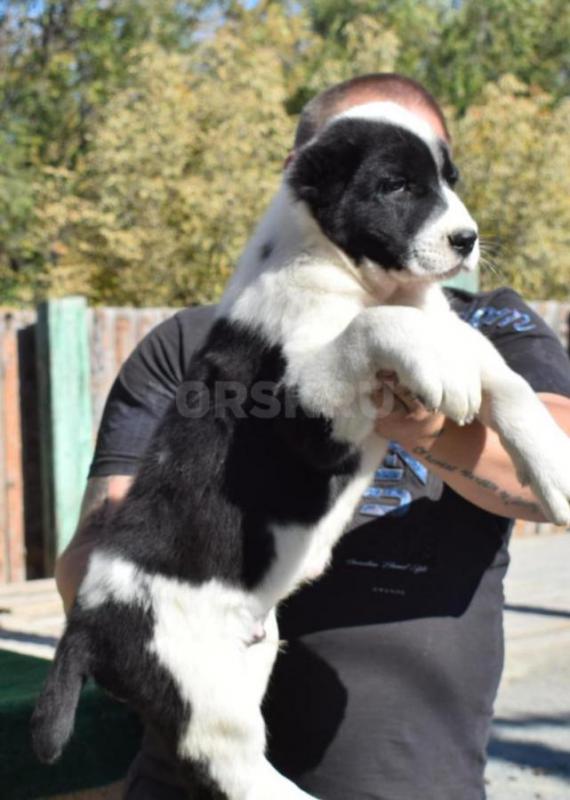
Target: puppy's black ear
[(322, 168)]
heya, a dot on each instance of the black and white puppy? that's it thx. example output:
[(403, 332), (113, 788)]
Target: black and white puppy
[(234, 506)]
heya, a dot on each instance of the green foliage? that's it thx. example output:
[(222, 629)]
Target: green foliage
[(457, 48), (484, 41), (16, 209), (61, 62), (513, 150), (140, 140), (414, 23), (177, 172)]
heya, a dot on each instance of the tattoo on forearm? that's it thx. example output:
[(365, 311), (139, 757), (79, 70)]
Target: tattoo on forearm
[(516, 500), (507, 498), (427, 456), (483, 482)]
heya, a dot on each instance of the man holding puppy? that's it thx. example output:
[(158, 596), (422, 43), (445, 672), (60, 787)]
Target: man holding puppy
[(386, 686)]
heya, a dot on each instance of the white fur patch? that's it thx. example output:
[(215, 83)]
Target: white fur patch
[(202, 637), (110, 577), (432, 254), (395, 114)]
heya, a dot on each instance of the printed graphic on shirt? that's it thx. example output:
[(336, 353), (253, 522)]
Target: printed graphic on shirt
[(388, 495), (519, 321)]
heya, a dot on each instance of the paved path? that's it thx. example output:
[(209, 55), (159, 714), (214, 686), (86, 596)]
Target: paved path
[(530, 746), (31, 618)]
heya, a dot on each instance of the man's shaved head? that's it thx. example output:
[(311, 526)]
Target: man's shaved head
[(366, 89)]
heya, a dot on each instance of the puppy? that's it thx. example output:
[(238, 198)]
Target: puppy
[(256, 469)]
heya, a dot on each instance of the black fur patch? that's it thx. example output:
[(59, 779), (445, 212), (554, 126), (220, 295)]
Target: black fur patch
[(371, 186), (449, 171), (211, 486)]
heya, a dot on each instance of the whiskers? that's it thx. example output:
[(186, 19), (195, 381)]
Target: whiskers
[(490, 249)]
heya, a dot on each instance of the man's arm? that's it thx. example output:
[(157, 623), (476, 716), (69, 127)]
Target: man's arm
[(473, 462), (101, 497), (471, 459)]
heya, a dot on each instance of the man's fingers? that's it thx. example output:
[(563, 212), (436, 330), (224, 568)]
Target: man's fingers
[(397, 401), (388, 403), (406, 398)]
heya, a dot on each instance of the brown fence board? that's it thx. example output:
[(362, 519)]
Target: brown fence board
[(113, 335), (31, 447), (103, 366), (4, 567), (12, 530), (14, 516)]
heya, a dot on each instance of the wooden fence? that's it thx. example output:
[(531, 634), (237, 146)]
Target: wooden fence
[(57, 366), (56, 369)]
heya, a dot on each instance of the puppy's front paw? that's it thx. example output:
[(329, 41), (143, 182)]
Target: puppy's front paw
[(424, 380), (461, 374), (551, 484), (547, 471), (446, 385), (461, 395)]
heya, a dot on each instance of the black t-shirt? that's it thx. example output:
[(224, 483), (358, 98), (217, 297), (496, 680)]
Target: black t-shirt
[(385, 689)]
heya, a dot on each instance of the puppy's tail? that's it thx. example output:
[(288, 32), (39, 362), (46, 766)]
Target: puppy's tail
[(54, 714)]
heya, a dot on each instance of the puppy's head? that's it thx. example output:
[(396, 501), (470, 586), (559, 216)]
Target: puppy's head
[(379, 183)]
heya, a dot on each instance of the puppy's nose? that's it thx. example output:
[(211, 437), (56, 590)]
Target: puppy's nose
[(463, 240)]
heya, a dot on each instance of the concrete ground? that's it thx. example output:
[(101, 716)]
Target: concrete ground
[(530, 745)]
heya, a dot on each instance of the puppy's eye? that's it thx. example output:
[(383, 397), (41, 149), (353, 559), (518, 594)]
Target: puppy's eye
[(452, 176), (392, 186)]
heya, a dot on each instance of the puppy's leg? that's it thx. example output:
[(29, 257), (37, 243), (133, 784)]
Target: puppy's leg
[(260, 659), (337, 380), (226, 732), (205, 638), (538, 447)]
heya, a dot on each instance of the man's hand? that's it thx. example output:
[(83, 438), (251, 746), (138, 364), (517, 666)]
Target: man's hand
[(401, 415), (101, 497), (469, 459)]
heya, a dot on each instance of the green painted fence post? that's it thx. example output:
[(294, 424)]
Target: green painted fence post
[(65, 417), (465, 280)]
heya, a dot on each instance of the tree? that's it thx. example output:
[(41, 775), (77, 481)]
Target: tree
[(62, 61), (457, 48), (180, 166), (412, 27), (512, 149), (480, 42)]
